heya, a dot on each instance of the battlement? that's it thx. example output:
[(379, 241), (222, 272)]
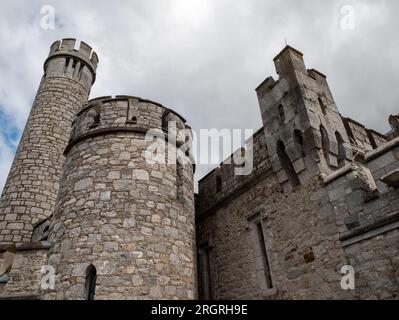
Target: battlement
[(67, 46), (222, 183), (75, 63), (107, 114)]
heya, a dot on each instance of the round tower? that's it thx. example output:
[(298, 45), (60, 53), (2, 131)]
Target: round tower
[(124, 223), (30, 193)]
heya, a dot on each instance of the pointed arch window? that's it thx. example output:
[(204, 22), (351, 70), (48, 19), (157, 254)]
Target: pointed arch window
[(90, 285)]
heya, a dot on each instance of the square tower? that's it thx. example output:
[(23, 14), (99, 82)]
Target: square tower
[(304, 131)]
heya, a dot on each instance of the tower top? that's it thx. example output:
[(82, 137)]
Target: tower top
[(288, 49), (66, 48)]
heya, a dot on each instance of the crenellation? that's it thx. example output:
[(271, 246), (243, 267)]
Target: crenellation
[(83, 200)]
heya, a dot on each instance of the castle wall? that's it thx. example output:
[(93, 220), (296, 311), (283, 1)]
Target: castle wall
[(301, 242), (209, 192), (132, 220), (26, 275), (352, 218)]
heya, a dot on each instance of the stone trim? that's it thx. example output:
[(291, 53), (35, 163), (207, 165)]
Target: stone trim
[(372, 230), (27, 246), (75, 55), (112, 130), (101, 132), (339, 173)]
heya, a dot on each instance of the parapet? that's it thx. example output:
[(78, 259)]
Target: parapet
[(108, 115), (222, 184), (66, 48)]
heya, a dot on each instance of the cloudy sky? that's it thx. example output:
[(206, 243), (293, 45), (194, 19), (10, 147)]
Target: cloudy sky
[(204, 58)]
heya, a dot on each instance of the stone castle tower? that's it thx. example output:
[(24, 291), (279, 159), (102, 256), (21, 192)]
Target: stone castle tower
[(88, 213), (120, 222), (31, 190), (304, 131)]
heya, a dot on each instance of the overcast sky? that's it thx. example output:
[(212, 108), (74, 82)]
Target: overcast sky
[(204, 58)]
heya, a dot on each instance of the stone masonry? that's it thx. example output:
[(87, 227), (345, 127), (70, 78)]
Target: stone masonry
[(84, 203)]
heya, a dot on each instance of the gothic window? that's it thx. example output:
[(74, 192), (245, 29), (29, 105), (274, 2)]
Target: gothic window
[(322, 106), (341, 150), (325, 144), (287, 164), (90, 285), (298, 138), (281, 113)]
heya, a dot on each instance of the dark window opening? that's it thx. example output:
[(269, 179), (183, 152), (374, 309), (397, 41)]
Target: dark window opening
[(325, 144), (266, 264), (281, 113), (165, 121), (90, 285), (180, 181), (66, 65), (298, 138), (218, 183), (341, 150), (96, 117), (287, 165), (133, 120), (322, 106), (205, 286)]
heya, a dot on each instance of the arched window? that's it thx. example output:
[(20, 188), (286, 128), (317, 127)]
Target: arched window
[(90, 285), (298, 138), (341, 149), (281, 113), (134, 120), (287, 164), (325, 144), (322, 106)]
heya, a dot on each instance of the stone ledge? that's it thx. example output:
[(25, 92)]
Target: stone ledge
[(339, 173), (21, 297), (27, 246), (372, 230), (381, 150)]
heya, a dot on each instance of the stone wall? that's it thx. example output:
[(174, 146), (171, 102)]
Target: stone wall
[(351, 218), (26, 275)]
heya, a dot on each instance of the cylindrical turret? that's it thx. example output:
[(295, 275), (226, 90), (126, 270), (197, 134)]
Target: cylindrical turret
[(124, 226), (31, 189)]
